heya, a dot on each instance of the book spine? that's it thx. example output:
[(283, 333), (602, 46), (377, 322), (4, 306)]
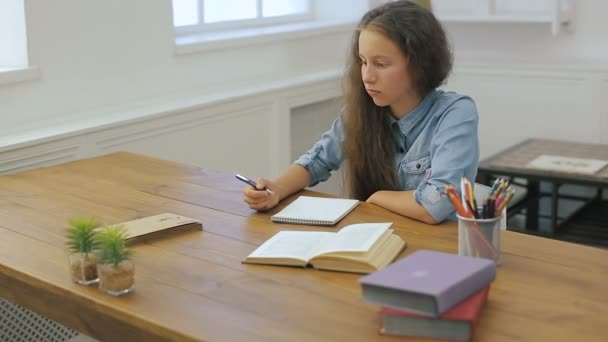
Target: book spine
[(300, 221)]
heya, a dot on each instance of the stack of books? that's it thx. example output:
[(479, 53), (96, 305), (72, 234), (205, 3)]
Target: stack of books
[(430, 294)]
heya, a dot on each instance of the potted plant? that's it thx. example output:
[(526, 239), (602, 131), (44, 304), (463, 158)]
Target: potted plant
[(82, 243), (115, 267)]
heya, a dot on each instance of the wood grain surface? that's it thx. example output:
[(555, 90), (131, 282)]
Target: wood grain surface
[(192, 286)]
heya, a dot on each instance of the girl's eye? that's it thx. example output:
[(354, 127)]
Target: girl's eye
[(381, 65)]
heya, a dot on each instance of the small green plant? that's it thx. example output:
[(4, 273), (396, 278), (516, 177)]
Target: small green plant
[(112, 245), (81, 235)]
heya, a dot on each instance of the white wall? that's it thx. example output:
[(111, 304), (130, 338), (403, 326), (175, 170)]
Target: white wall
[(529, 83), (503, 42), (101, 57), (107, 60)]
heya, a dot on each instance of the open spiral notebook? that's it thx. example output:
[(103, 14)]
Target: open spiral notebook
[(315, 211)]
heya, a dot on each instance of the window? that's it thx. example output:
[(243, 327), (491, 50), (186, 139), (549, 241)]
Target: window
[(209, 15), (206, 25), (14, 65), (13, 44)]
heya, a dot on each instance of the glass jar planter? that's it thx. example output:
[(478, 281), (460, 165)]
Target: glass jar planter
[(117, 280), (83, 268)]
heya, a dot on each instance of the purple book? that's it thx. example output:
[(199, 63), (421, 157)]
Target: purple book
[(428, 282)]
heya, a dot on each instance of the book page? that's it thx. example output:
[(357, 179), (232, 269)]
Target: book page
[(292, 244), (355, 238), (567, 164)]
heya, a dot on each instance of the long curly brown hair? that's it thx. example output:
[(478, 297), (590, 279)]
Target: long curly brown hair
[(369, 146)]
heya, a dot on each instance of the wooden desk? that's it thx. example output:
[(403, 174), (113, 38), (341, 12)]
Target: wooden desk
[(512, 162), (193, 287)]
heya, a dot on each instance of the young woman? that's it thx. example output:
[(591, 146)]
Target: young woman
[(401, 139)]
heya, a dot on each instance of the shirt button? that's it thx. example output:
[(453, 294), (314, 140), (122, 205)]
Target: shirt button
[(401, 150)]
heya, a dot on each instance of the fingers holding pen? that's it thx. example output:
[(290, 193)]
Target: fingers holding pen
[(259, 199), (260, 204), (259, 194), (255, 197)]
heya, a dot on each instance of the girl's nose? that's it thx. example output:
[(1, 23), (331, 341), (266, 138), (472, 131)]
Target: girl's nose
[(368, 76)]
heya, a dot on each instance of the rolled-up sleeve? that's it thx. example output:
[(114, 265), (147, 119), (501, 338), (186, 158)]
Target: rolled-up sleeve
[(454, 154), (326, 154)]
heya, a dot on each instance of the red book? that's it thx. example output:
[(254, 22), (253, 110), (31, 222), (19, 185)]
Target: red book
[(456, 324)]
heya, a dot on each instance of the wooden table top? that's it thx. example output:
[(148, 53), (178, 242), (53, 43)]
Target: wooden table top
[(514, 160), (192, 286)]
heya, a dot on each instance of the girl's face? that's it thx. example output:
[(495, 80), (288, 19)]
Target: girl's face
[(385, 73)]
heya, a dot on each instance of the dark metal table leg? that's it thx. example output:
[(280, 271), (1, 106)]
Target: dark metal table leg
[(554, 203), (482, 178), (532, 207)]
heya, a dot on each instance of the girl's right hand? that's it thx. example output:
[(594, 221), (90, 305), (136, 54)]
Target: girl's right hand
[(260, 199)]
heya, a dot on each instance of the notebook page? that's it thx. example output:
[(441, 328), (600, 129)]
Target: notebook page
[(315, 210), (355, 237), (292, 244)]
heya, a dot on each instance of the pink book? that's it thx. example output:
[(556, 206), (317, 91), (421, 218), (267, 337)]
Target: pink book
[(456, 324)]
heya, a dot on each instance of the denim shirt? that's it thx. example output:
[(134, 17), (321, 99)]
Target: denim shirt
[(437, 144)]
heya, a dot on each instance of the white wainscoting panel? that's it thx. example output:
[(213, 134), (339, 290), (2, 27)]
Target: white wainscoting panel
[(235, 140), (320, 92), (248, 131), (40, 155), (254, 132), (308, 123)]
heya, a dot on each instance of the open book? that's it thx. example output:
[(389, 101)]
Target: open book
[(358, 248), (315, 210)]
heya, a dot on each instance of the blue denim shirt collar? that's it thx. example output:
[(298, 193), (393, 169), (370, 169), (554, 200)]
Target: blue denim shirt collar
[(411, 119)]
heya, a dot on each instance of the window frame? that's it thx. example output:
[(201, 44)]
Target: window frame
[(14, 62), (259, 21), (559, 14)]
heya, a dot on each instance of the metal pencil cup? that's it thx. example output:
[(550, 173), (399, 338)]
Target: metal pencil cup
[(480, 238)]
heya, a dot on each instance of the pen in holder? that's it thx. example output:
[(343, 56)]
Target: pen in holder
[(479, 226)]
